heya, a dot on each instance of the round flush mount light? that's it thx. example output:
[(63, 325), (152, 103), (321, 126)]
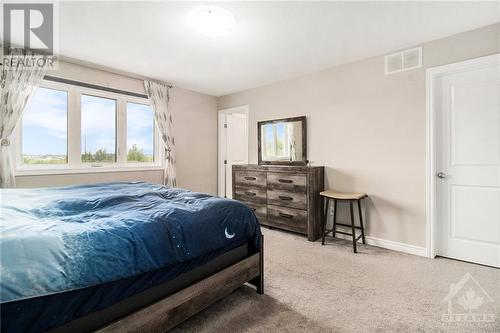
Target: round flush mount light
[(212, 21)]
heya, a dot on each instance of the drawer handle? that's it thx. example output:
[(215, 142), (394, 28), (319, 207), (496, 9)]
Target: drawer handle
[(250, 178), (285, 198), (287, 216), (288, 181), (253, 209), (250, 193)]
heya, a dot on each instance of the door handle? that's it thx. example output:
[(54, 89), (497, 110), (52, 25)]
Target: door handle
[(441, 175)]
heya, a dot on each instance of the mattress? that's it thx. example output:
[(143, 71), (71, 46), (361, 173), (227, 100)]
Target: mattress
[(103, 243)]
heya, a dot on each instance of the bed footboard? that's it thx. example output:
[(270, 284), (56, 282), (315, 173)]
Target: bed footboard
[(171, 311), (258, 281)]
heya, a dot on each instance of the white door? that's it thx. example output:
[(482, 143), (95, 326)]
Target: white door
[(467, 106), (233, 145)]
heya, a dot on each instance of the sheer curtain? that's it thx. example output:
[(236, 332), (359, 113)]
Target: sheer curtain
[(158, 94), (17, 86)]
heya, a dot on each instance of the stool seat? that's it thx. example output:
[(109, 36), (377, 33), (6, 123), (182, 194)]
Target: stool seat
[(342, 195)]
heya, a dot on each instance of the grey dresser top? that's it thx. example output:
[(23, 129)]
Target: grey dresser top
[(276, 168)]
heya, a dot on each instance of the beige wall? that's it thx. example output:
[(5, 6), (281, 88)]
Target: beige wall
[(195, 117), (368, 129), (195, 132), (88, 178)]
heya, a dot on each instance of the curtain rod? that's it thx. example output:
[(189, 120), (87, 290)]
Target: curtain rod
[(94, 86)]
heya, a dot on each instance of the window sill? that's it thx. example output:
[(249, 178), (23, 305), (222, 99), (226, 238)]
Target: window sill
[(64, 171)]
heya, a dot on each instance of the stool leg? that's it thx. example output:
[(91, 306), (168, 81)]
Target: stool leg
[(325, 219), (352, 226), (361, 222), (334, 217)]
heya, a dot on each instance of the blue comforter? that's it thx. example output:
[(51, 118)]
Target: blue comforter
[(60, 239)]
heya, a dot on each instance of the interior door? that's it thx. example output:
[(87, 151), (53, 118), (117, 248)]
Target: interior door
[(233, 146), (468, 163)]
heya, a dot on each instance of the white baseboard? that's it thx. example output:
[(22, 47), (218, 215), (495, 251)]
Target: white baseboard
[(391, 245), (397, 246)]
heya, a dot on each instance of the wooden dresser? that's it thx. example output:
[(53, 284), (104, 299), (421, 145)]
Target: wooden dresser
[(285, 197)]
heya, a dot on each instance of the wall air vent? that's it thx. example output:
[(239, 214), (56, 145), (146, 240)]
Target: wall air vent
[(393, 63), (403, 61)]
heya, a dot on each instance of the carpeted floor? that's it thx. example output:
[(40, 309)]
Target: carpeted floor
[(314, 288)]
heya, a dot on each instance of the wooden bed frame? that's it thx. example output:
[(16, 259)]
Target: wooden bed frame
[(174, 309), (163, 306)]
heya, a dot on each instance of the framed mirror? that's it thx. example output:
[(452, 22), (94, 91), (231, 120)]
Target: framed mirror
[(282, 141)]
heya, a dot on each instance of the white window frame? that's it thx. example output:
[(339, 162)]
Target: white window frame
[(74, 163)]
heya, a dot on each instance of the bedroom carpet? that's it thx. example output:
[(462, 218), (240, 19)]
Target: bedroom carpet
[(314, 288)]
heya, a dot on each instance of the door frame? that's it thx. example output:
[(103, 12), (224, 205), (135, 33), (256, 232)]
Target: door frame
[(244, 109), (431, 139)]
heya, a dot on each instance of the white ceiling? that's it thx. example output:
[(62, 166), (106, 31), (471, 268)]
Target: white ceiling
[(272, 41)]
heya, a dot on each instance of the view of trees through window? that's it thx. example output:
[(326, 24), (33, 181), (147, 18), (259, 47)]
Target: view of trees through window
[(45, 128), (98, 138), (275, 140), (100, 124), (140, 133)]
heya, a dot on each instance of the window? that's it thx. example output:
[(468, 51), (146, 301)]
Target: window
[(68, 128), (140, 133), (281, 140), (276, 141), (98, 129), (45, 128)]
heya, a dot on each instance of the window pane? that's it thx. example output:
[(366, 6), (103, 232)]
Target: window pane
[(140, 133), (98, 129), (280, 139), (268, 135), (45, 128)]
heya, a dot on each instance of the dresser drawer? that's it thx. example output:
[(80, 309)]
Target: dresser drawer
[(287, 218), (287, 199), (260, 210), (251, 194), (287, 181), (250, 178)]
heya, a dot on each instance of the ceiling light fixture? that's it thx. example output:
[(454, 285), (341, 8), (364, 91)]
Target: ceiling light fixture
[(212, 21)]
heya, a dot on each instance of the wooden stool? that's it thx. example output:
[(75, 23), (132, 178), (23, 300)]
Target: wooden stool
[(351, 197)]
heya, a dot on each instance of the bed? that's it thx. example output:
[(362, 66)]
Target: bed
[(120, 257)]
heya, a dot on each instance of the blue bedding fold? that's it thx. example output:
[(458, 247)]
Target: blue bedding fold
[(66, 238)]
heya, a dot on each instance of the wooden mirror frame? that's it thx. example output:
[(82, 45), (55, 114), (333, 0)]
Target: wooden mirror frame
[(303, 160)]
